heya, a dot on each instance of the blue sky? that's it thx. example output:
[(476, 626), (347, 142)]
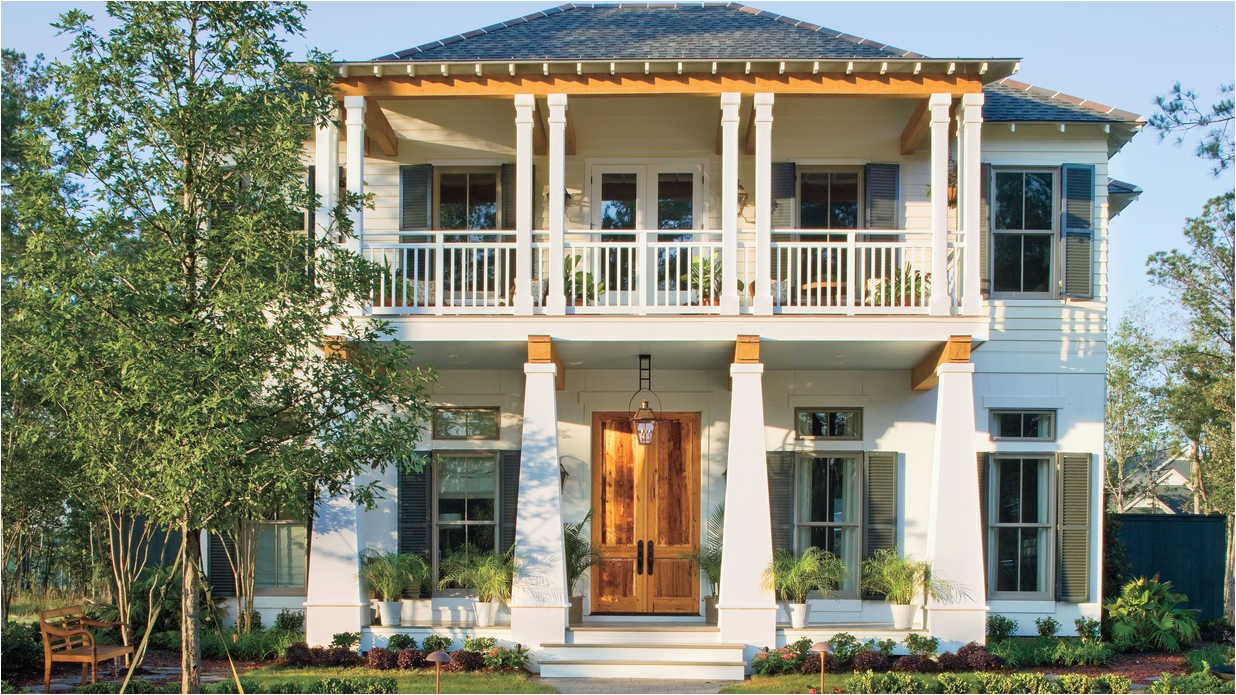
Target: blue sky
[(1117, 53)]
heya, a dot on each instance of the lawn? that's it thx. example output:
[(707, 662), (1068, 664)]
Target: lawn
[(793, 683), (420, 681)]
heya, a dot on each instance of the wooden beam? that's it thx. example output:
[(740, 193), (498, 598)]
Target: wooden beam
[(540, 137), (956, 350), (859, 84), (747, 349), (569, 134), (719, 135), (749, 138), (916, 128), (541, 351), (378, 130)]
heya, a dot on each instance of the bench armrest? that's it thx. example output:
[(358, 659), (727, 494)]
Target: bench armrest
[(64, 632), (99, 623)]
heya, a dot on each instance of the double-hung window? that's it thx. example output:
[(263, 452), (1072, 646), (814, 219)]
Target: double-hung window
[(468, 200), (466, 504), (829, 511), (1020, 538), (1023, 231), (828, 199), (280, 564)]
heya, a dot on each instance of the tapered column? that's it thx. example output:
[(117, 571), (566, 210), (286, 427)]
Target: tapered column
[(747, 611), (954, 523), (524, 106), (334, 598), (763, 203), (325, 176), (556, 303), (539, 600), (970, 181), (730, 102), (940, 300)]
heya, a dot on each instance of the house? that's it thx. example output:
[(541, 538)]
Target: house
[(1163, 487), (862, 291)]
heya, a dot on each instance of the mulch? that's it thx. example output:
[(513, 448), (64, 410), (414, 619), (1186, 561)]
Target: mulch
[(1139, 668)]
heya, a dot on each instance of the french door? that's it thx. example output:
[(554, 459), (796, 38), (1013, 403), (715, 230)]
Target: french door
[(646, 510)]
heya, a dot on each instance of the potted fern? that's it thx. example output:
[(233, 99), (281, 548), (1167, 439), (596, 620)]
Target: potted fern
[(488, 574), (419, 574), (793, 578), (900, 579), (384, 573), (708, 559), (580, 557), (578, 284)]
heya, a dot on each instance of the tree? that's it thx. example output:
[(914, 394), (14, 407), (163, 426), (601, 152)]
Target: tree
[(1180, 114), (197, 344)]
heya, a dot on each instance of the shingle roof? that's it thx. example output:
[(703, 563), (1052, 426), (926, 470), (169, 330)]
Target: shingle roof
[(582, 31), (1118, 187), (1010, 100)]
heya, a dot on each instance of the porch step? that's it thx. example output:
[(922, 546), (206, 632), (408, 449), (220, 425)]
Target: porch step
[(645, 633), (645, 652), (642, 669)]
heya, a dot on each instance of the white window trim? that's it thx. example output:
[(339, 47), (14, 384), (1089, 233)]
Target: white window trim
[(859, 524), (1047, 553), (1053, 263)]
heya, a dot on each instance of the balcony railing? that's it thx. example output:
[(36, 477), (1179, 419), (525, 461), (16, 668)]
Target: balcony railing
[(660, 272)]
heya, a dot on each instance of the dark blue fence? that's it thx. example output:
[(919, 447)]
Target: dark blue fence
[(1188, 549)]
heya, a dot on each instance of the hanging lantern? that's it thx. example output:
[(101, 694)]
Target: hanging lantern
[(644, 419)]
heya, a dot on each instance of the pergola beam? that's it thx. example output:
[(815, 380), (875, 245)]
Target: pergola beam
[(956, 350)]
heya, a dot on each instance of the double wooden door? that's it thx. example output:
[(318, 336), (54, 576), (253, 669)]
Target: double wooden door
[(645, 515)]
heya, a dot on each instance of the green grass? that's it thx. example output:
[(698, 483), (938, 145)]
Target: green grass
[(796, 683), (420, 681)]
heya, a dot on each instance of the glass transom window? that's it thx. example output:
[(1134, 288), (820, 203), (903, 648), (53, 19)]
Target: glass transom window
[(467, 502), (1038, 425), (465, 423), (829, 423), (1021, 525), (1022, 235), (828, 510)]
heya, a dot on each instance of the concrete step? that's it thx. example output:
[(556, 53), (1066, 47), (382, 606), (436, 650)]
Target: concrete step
[(643, 634), (667, 670), (646, 652)]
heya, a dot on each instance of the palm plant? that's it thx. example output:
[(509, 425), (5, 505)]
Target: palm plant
[(580, 555), (385, 575), (708, 556), (900, 578), (488, 574), (795, 577), (418, 573)]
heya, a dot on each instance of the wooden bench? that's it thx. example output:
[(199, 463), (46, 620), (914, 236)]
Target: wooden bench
[(66, 639)]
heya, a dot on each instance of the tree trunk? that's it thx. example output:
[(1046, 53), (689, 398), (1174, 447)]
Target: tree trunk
[(190, 620)]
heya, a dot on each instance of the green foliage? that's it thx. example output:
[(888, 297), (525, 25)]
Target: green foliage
[(136, 685), (480, 644), (386, 574), (345, 640), (488, 574), (290, 621), (400, 641), (884, 646), (1179, 113), (1196, 682), (505, 658), (704, 277), (436, 643), (1203, 658), (579, 554), (255, 645), (787, 659), (795, 577), (708, 555), (1014, 683), (579, 284), (1087, 628), (906, 287), (1147, 615), (844, 647), (1020, 652), (1047, 626), (21, 651), (922, 645), (1000, 627), (872, 682), (900, 578), (1083, 653), (952, 684)]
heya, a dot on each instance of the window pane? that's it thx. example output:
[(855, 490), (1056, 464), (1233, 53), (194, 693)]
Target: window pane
[(1008, 425), (1006, 276), (839, 424), (1038, 201), (1037, 263), (451, 539), (1008, 200), (483, 424), (1029, 575), (618, 201), (813, 200), (266, 562), (1009, 484), (451, 424), (453, 201), (1036, 426), (482, 201), (466, 487), (829, 482), (292, 566), (674, 201), (1006, 559), (842, 542), (1030, 493), (843, 201)]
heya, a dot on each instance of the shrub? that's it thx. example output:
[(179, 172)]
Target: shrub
[(844, 647), (978, 658), (380, 659), (870, 661), (1203, 658), (915, 663), (1081, 653), (505, 658), (952, 684), (257, 645), (399, 642), (6, 687), (1087, 628), (922, 645), (411, 658), (436, 643), (368, 686), (298, 655), (347, 640), (872, 682), (949, 661), (1147, 615), (1047, 626), (339, 656), (787, 659), (884, 646), (21, 651), (480, 644), (290, 621), (1000, 627), (1218, 629), (168, 640), (137, 685), (464, 660), (1199, 682), (1014, 683)]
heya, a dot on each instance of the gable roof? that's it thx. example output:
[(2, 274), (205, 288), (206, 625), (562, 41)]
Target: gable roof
[(586, 31)]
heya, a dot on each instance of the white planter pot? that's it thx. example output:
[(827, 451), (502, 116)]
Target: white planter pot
[(798, 615), (485, 612), (415, 610), (388, 612), (903, 616)]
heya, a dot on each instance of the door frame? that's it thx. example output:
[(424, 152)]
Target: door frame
[(693, 451)]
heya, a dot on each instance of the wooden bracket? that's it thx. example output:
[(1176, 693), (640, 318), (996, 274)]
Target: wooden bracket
[(378, 131), (916, 128), (540, 136), (568, 135), (541, 351), (747, 349), (749, 138), (956, 350)]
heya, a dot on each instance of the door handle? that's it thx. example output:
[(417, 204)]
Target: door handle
[(639, 557), (649, 557)]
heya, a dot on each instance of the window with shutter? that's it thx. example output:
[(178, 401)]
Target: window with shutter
[(1020, 523), (415, 191), (414, 508), (985, 230), (218, 569), (784, 181), (829, 510), (508, 497), (882, 195), (1073, 583), (1023, 231), (881, 502), (984, 525), (781, 498), (1077, 211)]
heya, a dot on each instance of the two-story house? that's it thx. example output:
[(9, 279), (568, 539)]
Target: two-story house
[(861, 290)]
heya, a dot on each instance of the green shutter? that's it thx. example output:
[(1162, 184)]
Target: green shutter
[(508, 482), (218, 569), (1073, 529), (784, 194), (882, 185), (880, 502), (983, 468), (1077, 228), (415, 507), (984, 230), (416, 197), (781, 498)]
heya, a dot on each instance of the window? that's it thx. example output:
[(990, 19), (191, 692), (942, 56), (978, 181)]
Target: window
[(468, 199), (465, 423), (1023, 231), (828, 200), (675, 204), (467, 502), (831, 423), (1039, 425), (828, 510), (1020, 537), (281, 557)]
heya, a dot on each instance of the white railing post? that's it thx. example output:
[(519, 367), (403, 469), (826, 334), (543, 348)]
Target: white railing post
[(851, 270), (556, 303), (524, 105), (940, 298), (326, 176), (645, 268), (730, 102), (355, 107), (763, 300), (439, 273), (970, 183)]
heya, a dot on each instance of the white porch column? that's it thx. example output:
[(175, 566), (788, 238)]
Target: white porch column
[(356, 164), (954, 534), (940, 300), (747, 611), (971, 221), (730, 102), (539, 601), (524, 105), (334, 601), (763, 203), (556, 303), (325, 176)]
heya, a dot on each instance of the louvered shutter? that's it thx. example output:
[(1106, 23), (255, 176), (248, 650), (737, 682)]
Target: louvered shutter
[(416, 197), (983, 467), (507, 178), (781, 498), (508, 481), (984, 240), (880, 502), (414, 521), (882, 185), (1077, 228), (784, 185), (1073, 529), (218, 570)]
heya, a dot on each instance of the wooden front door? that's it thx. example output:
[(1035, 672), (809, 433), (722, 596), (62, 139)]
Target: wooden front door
[(645, 519)]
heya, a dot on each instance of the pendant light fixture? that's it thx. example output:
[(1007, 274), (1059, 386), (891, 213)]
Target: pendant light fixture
[(644, 418)]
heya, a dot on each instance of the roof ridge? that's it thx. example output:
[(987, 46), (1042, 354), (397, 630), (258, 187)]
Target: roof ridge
[(1068, 99), (799, 24)]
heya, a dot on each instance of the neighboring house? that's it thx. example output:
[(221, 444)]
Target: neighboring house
[(857, 270), (1166, 488)]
